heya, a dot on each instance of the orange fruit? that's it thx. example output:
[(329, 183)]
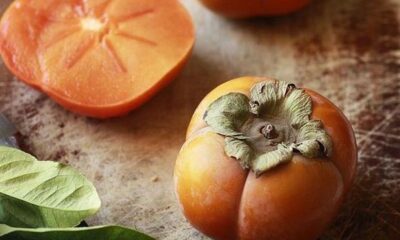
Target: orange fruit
[(100, 58)]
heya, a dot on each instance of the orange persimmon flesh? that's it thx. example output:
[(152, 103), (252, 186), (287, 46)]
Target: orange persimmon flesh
[(100, 58)]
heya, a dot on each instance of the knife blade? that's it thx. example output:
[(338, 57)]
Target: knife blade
[(7, 132)]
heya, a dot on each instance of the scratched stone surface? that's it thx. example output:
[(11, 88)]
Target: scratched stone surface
[(347, 50)]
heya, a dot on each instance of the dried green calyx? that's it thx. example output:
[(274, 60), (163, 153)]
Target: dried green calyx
[(266, 129)]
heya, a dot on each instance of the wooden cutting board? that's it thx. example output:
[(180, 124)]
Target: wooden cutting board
[(347, 50)]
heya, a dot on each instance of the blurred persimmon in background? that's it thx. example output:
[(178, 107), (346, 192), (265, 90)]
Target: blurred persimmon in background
[(254, 8)]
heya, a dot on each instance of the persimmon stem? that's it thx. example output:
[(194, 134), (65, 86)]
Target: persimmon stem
[(269, 131), (269, 127)]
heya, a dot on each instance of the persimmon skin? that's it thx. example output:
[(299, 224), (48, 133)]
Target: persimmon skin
[(209, 205), (254, 8), (296, 200)]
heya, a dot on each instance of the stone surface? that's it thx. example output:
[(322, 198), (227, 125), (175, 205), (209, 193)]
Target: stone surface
[(347, 50)]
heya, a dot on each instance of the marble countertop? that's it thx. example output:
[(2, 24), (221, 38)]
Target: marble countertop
[(347, 50)]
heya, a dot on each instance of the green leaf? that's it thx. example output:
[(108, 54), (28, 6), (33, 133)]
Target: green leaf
[(42, 194), (89, 233), (228, 113)]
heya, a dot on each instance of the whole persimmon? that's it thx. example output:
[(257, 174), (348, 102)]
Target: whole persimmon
[(253, 8), (264, 159)]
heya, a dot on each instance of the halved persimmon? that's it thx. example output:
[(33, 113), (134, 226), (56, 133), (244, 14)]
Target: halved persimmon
[(100, 58)]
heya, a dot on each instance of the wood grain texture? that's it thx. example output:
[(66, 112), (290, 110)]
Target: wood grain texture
[(348, 51)]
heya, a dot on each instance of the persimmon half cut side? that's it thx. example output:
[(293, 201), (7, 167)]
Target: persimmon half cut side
[(100, 58), (295, 200)]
